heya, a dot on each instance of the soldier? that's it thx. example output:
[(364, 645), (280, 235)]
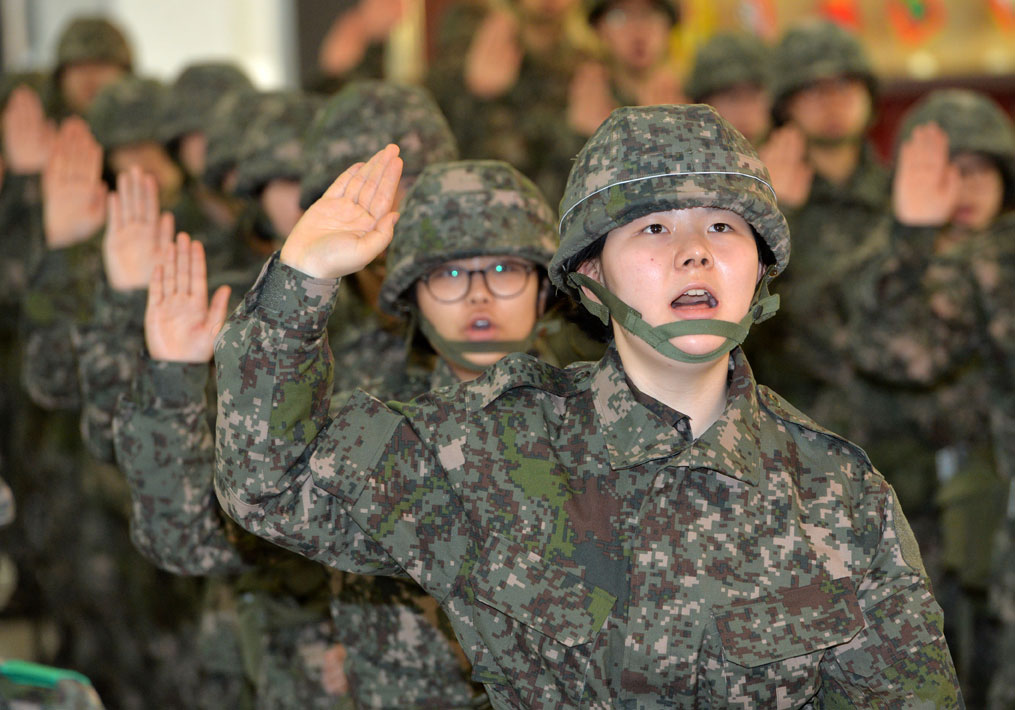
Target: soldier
[(503, 88), (636, 71), (834, 193), (733, 73), (352, 126), (91, 53), (935, 314), (457, 217), (616, 532)]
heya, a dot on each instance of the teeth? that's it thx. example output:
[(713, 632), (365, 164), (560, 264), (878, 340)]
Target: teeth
[(481, 323), (695, 292)]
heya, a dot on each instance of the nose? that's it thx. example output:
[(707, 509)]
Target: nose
[(479, 292), (692, 252)]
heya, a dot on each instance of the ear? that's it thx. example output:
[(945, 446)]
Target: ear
[(593, 268)]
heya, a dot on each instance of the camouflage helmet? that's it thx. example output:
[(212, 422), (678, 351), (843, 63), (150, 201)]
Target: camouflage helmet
[(727, 60), (272, 145), (193, 95), (974, 124), (364, 117), (648, 159), (463, 209), (127, 111), (92, 39), (813, 51), (229, 117), (595, 9)]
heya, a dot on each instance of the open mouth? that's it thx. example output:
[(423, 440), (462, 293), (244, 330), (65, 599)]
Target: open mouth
[(695, 298), (479, 327)]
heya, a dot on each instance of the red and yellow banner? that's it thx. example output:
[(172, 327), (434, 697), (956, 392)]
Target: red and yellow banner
[(915, 21)]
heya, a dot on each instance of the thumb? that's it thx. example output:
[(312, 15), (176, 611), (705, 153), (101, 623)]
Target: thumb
[(217, 310)]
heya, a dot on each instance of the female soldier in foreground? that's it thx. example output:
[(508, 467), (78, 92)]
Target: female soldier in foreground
[(652, 530)]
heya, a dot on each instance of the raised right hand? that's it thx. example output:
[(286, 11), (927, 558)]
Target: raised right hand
[(180, 324), (351, 224), (73, 194), (28, 134), (925, 189), (784, 154), (494, 57), (590, 99), (135, 232)]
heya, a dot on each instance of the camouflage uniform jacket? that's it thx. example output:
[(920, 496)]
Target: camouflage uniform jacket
[(588, 552), (361, 344)]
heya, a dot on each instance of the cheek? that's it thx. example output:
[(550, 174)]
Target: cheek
[(443, 316)]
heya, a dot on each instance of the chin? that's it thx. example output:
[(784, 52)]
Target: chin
[(698, 344)]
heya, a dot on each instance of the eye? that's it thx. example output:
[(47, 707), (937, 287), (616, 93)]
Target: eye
[(720, 227), (655, 228), (508, 267), (445, 272)]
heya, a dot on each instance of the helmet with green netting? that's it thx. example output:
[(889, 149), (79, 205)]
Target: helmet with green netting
[(193, 95), (127, 112), (92, 39), (974, 123), (813, 51), (459, 210), (272, 145), (728, 60), (228, 121), (595, 9), (655, 158), (364, 117)]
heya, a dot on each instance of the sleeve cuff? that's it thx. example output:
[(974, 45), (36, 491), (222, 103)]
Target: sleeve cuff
[(288, 298), (170, 385)]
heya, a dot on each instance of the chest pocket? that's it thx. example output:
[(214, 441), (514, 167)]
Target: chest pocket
[(771, 647), (537, 623)]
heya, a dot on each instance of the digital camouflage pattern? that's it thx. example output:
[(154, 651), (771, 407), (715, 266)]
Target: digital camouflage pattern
[(816, 50), (651, 158), (230, 116), (364, 117), (463, 209), (272, 145), (166, 450), (974, 123), (127, 111), (193, 95), (92, 39), (728, 60), (602, 604)]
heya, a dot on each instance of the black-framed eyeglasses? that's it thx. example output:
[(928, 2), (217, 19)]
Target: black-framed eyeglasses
[(503, 279)]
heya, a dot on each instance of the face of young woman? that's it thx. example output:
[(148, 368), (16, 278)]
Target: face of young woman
[(831, 109), (677, 265), (981, 191), (481, 315)]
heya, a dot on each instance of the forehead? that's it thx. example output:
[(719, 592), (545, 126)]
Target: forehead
[(683, 215)]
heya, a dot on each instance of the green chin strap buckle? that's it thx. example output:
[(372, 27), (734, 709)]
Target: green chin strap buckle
[(455, 351), (763, 306)]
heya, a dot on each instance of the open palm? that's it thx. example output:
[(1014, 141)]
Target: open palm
[(351, 224), (180, 324), (73, 194), (135, 232)]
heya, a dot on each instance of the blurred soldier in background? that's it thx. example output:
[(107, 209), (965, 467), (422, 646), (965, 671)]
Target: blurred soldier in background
[(733, 73), (636, 68)]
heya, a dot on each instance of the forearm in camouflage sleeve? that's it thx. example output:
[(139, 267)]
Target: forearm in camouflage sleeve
[(164, 447), (900, 658), (107, 349), (912, 315), (274, 372), (20, 233), (59, 295)]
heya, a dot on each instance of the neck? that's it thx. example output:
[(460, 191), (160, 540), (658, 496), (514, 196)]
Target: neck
[(835, 162), (697, 390), (462, 373)]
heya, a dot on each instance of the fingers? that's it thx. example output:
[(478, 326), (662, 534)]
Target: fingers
[(383, 200), (377, 240), (182, 264), (165, 231), (155, 288), (338, 188), (198, 273), (363, 186), (169, 262)]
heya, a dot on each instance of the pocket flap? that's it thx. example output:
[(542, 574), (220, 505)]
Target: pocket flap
[(541, 595), (789, 623)]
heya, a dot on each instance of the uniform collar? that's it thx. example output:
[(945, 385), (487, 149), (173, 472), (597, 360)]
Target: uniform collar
[(634, 435), (441, 375)]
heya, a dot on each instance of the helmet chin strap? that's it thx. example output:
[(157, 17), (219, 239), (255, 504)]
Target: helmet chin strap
[(455, 351), (763, 306)]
